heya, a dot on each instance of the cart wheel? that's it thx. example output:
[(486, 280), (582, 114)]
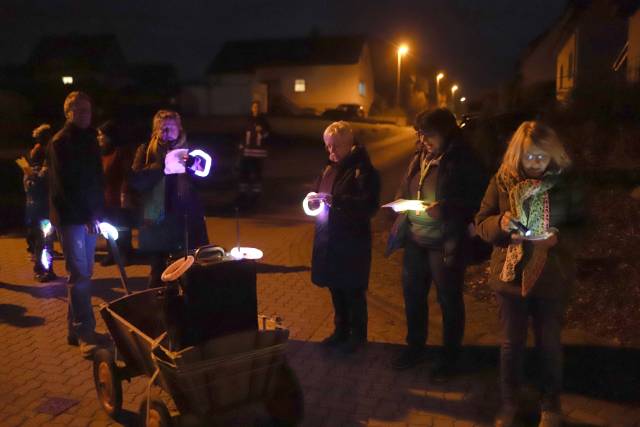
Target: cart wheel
[(159, 415), (107, 382), (286, 405)]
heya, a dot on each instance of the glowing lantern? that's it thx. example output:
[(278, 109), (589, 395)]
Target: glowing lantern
[(307, 208), (245, 253), (108, 231)]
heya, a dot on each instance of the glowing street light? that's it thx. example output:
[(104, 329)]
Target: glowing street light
[(463, 99), (67, 80), (402, 50), (439, 77), (454, 88)]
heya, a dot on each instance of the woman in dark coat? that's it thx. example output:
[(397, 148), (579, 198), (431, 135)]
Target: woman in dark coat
[(117, 158), (446, 175), (531, 277), (169, 200), (349, 186)]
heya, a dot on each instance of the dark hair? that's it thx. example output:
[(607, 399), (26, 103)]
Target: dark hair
[(440, 120), (112, 131)]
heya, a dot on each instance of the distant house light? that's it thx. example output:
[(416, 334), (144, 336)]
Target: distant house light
[(300, 86), (362, 88), (67, 80)]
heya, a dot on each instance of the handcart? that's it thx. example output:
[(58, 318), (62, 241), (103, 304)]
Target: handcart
[(194, 339)]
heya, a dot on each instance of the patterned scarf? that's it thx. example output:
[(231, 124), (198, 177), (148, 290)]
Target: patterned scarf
[(537, 220)]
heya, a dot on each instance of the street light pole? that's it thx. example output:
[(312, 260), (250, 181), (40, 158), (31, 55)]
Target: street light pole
[(401, 51), (439, 77), (454, 88)]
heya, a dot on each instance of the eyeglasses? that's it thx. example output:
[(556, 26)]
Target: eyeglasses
[(538, 157)]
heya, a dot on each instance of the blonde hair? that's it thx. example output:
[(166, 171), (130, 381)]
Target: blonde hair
[(341, 129), (156, 141), (74, 97), (540, 135)]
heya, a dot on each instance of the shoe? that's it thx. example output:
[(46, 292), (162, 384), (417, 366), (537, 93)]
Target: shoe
[(352, 345), (408, 358), (87, 349), (506, 416), (46, 277), (550, 419), (98, 338), (334, 340)]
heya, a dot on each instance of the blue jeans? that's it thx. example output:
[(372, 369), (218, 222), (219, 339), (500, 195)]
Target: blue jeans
[(79, 249), (547, 317), (420, 267)]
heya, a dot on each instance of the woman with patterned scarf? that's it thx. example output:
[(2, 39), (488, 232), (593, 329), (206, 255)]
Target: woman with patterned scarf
[(531, 271), (168, 199)]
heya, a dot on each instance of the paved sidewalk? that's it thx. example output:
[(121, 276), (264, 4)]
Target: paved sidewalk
[(38, 365)]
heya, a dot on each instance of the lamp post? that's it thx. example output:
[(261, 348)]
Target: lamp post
[(402, 50), (454, 89), (439, 77)]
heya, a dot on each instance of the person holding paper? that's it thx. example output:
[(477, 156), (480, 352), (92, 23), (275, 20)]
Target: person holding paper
[(531, 273), (349, 188), (169, 201), (446, 176)]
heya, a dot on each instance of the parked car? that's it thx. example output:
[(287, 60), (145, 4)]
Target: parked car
[(345, 112)]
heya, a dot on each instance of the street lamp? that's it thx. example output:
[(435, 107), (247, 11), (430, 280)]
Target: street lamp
[(402, 50), (439, 77), (463, 99)]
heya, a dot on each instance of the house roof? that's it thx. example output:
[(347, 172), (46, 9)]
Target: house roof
[(247, 55), (101, 50)]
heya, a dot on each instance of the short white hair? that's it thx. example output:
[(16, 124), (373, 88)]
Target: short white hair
[(341, 129)]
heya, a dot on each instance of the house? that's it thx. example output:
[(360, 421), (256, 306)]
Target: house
[(303, 75), (581, 47), (591, 49)]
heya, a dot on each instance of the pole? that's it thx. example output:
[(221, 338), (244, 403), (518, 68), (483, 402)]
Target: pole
[(398, 80)]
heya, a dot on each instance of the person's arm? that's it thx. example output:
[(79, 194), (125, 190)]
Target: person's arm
[(365, 200), (488, 218)]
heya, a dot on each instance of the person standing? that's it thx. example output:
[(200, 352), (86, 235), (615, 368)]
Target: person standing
[(117, 158), (446, 176), (77, 199), (349, 188), (169, 201), (531, 278), (39, 233), (253, 151)]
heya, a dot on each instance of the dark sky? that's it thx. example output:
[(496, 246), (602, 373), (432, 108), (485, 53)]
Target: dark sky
[(477, 41)]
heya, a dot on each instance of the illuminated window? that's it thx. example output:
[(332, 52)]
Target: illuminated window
[(67, 80), (300, 85), (362, 88)]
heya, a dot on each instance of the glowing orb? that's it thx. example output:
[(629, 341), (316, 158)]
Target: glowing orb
[(308, 210), (207, 163), (46, 227), (108, 231), (45, 259), (245, 253)]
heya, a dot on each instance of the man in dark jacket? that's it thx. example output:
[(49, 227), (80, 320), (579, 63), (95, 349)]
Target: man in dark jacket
[(447, 177), (76, 196), (349, 188), (253, 151)]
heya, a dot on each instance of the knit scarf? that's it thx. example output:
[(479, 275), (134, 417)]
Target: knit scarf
[(537, 220)]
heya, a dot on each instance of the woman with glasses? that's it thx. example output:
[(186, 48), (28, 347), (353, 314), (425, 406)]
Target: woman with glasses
[(527, 214), (446, 176)]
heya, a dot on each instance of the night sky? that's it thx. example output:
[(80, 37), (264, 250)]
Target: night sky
[(477, 41)]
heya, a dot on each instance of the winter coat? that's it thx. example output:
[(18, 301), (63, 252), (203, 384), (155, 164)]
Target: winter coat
[(566, 214), (166, 231), (342, 243), (76, 188), (459, 187)]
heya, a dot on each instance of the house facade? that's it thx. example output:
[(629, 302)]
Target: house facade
[(298, 76)]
